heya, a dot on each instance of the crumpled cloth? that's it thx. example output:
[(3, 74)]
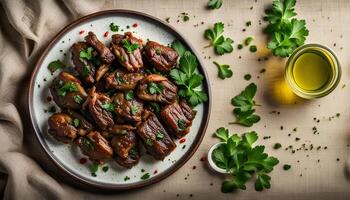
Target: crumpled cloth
[(25, 28)]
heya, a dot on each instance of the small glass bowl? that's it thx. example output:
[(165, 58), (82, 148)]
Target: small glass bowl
[(331, 85)]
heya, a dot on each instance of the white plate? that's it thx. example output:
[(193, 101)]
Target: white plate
[(67, 156)]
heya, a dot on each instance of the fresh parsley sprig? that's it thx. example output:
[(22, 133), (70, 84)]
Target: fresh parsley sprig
[(215, 4), (244, 104), (221, 44), (186, 78), (241, 160), (130, 47), (287, 32), (224, 71)]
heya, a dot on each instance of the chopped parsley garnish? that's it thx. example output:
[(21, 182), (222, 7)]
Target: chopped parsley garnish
[(145, 176), (155, 106), (108, 106), (86, 71), (67, 87), (88, 144), (134, 109), (277, 146), (247, 77), (119, 79), (113, 27), (242, 160), (76, 122), (244, 104), (188, 80), (134, 151), (224, 71), (178, 47), (221, 44), (86, 54), (93, 168), (129, 46), (286, 167), (52, 109), (185, 18), (129, 95), (287, 33), (78, 99), (149, 142), (55, 65), (181, 123), (248, 40), (155, 88), (126, 178), (248, 23), (160, 135), (214, 4), (240, 46), (253, 48), (105, 168)]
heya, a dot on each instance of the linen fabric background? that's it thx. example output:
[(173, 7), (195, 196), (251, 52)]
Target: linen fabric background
[(27, 26)]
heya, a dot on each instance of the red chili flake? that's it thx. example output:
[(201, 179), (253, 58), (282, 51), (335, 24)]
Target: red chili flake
[(106, 34), (182, 140), (135, 25), (194, 167), (81, 32), (202, 159), (82, 161), (155, 172), (49, 98)]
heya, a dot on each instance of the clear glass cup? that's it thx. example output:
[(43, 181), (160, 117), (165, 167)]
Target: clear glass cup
[(331, 83)]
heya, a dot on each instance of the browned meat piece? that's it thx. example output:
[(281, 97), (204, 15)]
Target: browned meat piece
[(122, 80), (84, 66), (157, 88), (67, 91), (127, 107), (127, 49), (125, 146), (120, 129), (95, 147), (156, 140), (104, 53), (83, 126), (178, 118), (161, 57), (102, 70), (100, 107), (61, 127)]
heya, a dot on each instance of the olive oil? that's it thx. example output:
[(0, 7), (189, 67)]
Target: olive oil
[(313, 71)]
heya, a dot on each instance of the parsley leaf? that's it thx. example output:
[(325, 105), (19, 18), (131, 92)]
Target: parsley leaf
[(129, 95), (188, 80), (78, 99), (108, 106), (155, 88), (242, 160), (67, 87), (113, 27), (85, 72), (76, 122), (55, 65), (129, 46), (221, 44), (287, 33), (86, 54), (178, 47), (224, 71), (145, 176), (214, 4), (181, 124), (244, 104), (134, 109), (160, 135)]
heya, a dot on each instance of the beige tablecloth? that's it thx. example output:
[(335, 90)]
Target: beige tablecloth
[(27, 26)]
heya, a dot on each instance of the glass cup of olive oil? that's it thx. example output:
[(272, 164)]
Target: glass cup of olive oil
[(313, 71)]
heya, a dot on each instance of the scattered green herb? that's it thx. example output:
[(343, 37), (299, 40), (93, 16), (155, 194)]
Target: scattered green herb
[(277, 146), (86, 71), (120, 80), (76, 122), (287, 33), (134, 109), (214, 4), (55, 65), (108, 106), (247, 77), (160, 135), (88, 144), (145, 176), (185, 18), (105, 168), (188, 80), (286, 167), (248, 23), (52, 109), (93, 168), (155, 88), (126, 178), (155, 106), (241, 160), (248, 40), (129, 95), (224, 71), (244, 104), (240, 46), (215, 35), (67, 87), (181, 124), (86, 53), (149, 142), (129, 46), (113, 27), (253, 48), (78, 99)]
